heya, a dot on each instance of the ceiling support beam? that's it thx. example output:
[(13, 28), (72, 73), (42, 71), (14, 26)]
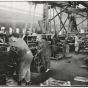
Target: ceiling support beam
[(81, 22), (65, 22), (79, 14), (58, 13), (61, 21)]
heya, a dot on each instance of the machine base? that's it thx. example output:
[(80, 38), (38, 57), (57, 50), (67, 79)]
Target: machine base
[(38, 69)]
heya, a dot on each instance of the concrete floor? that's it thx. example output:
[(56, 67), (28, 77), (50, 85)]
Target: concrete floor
[(61, 70), (67, 71)]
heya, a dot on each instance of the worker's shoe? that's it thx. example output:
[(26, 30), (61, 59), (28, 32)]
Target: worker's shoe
[(47, 70), (19, 82)]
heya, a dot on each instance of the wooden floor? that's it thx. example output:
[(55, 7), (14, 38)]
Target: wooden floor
[(61, 70)]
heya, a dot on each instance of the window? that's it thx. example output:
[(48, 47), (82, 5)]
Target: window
[(32, 8), (37, 8), (2, 3), (14, 4), (23, 5), (19, 5), (27, 6), (41, 9), (7, 4)]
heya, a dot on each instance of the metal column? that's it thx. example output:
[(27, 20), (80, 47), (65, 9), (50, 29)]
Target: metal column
[(60, 18), (87, 21), (50, 18), (82, 23), (54, 21), (45, 17), (33, 18)]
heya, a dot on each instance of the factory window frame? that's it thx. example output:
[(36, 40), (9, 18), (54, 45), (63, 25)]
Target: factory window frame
[(13, 5), (27, 7), (7, 4), (19, 5), (23, 6), (2, 3)]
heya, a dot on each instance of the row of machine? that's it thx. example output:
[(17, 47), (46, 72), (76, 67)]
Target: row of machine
[(9, 59)]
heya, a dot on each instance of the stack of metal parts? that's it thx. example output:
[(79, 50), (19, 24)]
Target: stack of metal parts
[(54, 82)]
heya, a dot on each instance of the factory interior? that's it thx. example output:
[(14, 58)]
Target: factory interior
[(43, 43)]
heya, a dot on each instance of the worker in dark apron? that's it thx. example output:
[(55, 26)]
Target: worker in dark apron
[(45, 51), (25, 58)]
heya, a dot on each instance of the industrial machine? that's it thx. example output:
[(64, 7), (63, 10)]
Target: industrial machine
[(57, 46), (84, 42), (36, 65), (3, 58), (47, 37), (71, 41), (8, 59)]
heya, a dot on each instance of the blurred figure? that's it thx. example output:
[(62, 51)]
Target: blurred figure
[(45, 51), (25, 58), (33, 33), (67, 46), (53, 42), (76, 44)]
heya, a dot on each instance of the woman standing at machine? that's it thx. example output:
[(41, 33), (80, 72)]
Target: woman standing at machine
[(45, 51)]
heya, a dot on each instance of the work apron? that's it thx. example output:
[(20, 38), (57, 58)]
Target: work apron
[(76, 46)]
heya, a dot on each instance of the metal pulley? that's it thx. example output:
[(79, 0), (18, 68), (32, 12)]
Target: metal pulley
[(37, 61), (12, 48)]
